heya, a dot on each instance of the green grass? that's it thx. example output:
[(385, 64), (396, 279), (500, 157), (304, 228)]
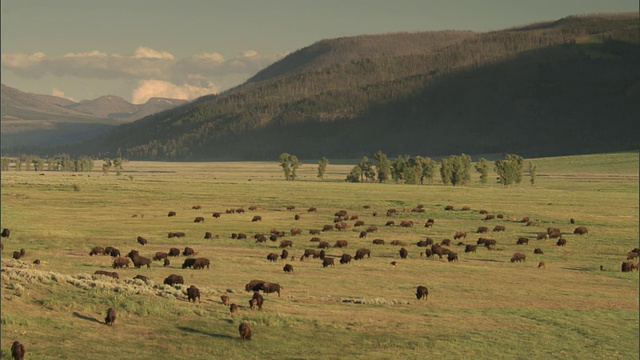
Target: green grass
[(484, 306)]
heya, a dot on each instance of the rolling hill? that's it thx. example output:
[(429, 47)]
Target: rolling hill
[(564, 87)]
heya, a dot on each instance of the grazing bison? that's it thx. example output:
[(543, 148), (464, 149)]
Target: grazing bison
[(341, 213), (254, 285), (160, 255), (272, 257), (288, 268), (378, 241), (323, 245), (215, 215), (328, 262), (114, 252), (358, 223), (403, 253), (341, 226), (173, 279), (285, 243), (36, 262), (253, 208), (345, 259), (17, 350), (424, 243), (256, 218), (581, 230), (445, 242), (240, 210), (245, 330), (120, 262), (489, 217), (196, 207), (97, 250), (360, 253), (629, 266), (192, 293), (291, 207), (166, 263), (133, 253), (363, 234), (498, 228), (372, 228), (522, 241), (208, 235), (542, 236), (225, 300), (188, 263), (230, 211), (632, 255), (269, 288), (314, 232), (315, 239), (422, 292), (429, 223), (171, 213), (518, 256), (233, 308), (107, 273), (242, 236), (139, 261), (396, 243), (260, 238), (341, 243), (489, 243), (561, 242), (483, 212), (538, 251), (465, 208), (482, 229), (174, 252), (259, 300), (111, 317), (452, 257), (448, 207), (406, 223), (459, 235), (296, 217), (390, 223), (470, 248), (142, 241), (200, 263), (542, 265), (188, 251), (312, 209), (310, 252), (554, 233), (327, 227), (141, 277), (284, 255), (295, 231)]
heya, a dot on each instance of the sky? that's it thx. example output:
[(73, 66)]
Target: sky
[(138, 49)]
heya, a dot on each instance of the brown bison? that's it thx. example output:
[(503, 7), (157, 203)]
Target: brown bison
[(328, 262), (542, 265), (233, 308), (489, 217), (120, 262), (284, 255), (482, 229), (225, 300), (113, 252), (345, 259), (426, 242), (378, 241), (341, 226), (452, 257), (315, 239), (581, 230), (445, 242), (291, 207), (498, 228), (406, 223), (522, 241), (403, 253), (200, 263), (188, 251), (323, 245), (360, 253), (256, 218), (111, 317), (141, 277), (107, 273), (208, 235), (174, 252), (269, 288), (470, 248), (397, 243), (196, 207), (171, 213), (285, 243), (341, 244), (160, 255), (288, 268), (139, 261), (296, 217), (489, 243), (272, 257), (192, 293), (518, 256), (166, 263), (554, 233), (17, 350), (459, 235), (295, 231), (259, 300), (245, 331), (632, 255), (422, 292), (483, 212), (538, 251), (97, 250), (240, 210), (358, 223), (314, 232), (542, 236), (341, 213), (142, 241), (254, 285), (629, 266), (327, 227), (241, 236), (363, 234), (390, 223), (253, 208), (215, 215), (448, 207), (310, 252), (372, 228), (312, 209), (173, 279), (561, 242), (465, 208), (188, 263)]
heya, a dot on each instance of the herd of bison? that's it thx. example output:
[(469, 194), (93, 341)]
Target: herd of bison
[(341, 221)]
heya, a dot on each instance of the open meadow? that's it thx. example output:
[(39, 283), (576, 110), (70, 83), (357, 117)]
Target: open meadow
[(579, 306)]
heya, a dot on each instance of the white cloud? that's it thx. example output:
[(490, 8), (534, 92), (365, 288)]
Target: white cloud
[(157, 88), (59, 93), (148, 53)]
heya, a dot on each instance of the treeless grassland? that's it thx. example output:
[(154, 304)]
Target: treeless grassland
[(482, 306)]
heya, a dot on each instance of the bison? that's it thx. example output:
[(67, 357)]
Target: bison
[(581, 230), (360, 253), (174, 252), (160, 255), (192, 293), (452, 257), (323, 245), (269, 288), (215, 215), (200, 263), (208, 235), (341, 226), (498, 228), (272, 257), (141, 277), (538, 251), (445, 242), (406, 223), (328, 262), (403, 253), (554, 233), (171, 213), (259, 300), (390, 223), (288, 268), (166, 263), (482, 229), (285, 243), (629, 266), (422, 292), (225, 300), (188, 251), (256, 218), (120, 262), (522, 241), (107, 273), (188, 263), (518, 256), (561, 242), (111, 317), (114, 252), (142, 241), (314, 232), (327, 227), (312, 209), (358, 223), (233, 308), (542, 236), (173, 279), (97, 250), (345, 259), (196, 207), (363, 234), (244, 330), (470, 248), (448, 207), (139, 261), (378, 241), (254, 285), (17, 350), (284, 255), (372, 228), (459, 235), (310, 252)]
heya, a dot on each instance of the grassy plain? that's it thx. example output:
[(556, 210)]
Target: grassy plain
[(483, 306)]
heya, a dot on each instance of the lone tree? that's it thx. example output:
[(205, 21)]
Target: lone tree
[(510, 169), (289, 164), (322, 167), (482, 166), (532, 173)]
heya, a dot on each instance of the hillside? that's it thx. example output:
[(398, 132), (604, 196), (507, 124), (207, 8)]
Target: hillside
[(45, 120), (564, 87)]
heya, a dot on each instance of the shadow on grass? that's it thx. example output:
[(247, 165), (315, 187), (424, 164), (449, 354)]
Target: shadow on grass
[(88, 318), (487, 260), (196, 331)]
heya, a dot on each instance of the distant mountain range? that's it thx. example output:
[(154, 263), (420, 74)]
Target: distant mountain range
[(45, 120), (569, 86)]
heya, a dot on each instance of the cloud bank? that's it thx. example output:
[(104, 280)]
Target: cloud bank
[(158, 73)]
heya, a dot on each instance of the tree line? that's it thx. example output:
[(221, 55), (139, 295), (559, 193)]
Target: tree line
[(60, 162)]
